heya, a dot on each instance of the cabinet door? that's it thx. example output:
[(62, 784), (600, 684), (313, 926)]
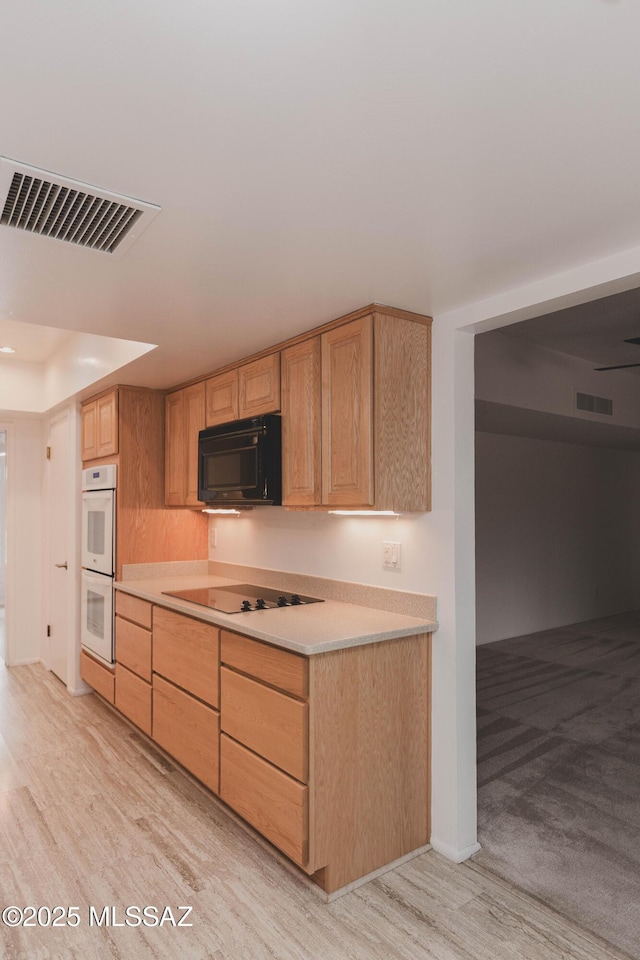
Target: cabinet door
[(347, 415), (133, 698), (188, 730), (221, 395), (274, 803), (268, 722), (194, 412), (107, 424), (175, 452), (97, 676), (187, 652), (89, 431), (133, 647), (259, 387), (301, 434)]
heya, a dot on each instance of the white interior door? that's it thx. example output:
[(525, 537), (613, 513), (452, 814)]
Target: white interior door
[(60, 550)]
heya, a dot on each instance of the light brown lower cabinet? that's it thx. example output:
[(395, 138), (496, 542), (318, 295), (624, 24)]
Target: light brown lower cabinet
[(133, 647), (133, 698), (339, 779), (272, 802), (97, 676), (187, 729), (327, 756), (187, 652), (267, 721)]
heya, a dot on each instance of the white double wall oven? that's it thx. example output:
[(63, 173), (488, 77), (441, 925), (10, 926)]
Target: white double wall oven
[(98, 560)]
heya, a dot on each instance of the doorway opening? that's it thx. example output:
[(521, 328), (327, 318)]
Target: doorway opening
[(558, 610)]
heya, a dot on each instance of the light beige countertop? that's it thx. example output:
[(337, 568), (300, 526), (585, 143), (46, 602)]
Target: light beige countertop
[(309, 629)]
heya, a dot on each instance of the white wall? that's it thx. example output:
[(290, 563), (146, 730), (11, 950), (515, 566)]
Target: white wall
[(25, 452), (342, 548), (519, 373), (83, 359), (21, 385), (3, 518), (557, 534)]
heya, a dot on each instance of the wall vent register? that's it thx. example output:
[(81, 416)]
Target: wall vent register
[(592, 404), (241, 598)]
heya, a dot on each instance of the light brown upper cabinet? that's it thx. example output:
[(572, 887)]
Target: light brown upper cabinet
[(247, 391), (222, 398), (259, 387), (184, 418), (146, 532), (347, 415), (357, 415), (301, 424), (100, 427), (356, 418)]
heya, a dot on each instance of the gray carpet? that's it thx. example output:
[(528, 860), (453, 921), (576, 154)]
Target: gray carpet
[(559, 771)]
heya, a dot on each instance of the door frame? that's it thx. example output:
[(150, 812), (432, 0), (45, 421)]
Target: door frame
[(454, 799), (70, 413), (9, 643)]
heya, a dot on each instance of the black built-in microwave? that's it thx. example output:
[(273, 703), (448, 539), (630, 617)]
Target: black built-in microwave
[(240, 463)]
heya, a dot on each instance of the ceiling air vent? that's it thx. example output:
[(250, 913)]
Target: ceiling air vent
[(585, 401), (44, 203)]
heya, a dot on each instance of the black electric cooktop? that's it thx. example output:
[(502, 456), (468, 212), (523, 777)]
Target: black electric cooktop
[(241, 598)]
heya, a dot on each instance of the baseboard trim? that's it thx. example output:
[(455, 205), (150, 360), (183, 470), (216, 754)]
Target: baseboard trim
[(25, 663), (452, 853)]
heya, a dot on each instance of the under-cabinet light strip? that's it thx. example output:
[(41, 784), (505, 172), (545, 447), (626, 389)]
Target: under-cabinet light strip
[(364, 513)]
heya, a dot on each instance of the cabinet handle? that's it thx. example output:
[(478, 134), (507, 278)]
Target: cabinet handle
[(62, 565)]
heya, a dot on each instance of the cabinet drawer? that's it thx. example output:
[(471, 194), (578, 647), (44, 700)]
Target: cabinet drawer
[(133, 648), (188, 730), (100, 678), (133, 608), (271, 801), (277, 667), (133, 698), (187, 651), (269, 722)]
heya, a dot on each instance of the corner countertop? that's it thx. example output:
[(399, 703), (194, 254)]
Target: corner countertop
[(311, 629)]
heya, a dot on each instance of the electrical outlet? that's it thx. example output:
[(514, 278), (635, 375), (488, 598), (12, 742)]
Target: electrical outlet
[(391, 554), (213, 538)]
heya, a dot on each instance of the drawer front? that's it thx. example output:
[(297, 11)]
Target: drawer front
[(268, 799), (187, 652), (188, 730), (100, 678), (133, 698), (269, 722), (133, 648), (279, 668), (133, 608)]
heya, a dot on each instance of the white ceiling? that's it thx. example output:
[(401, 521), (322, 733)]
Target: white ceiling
[(311, 157), (32, 343), (595, 331)]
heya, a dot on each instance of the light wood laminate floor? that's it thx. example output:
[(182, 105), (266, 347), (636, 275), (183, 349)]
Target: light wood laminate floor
[(92, 815)]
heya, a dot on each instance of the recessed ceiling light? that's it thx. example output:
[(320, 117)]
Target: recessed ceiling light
[(7, 350)]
